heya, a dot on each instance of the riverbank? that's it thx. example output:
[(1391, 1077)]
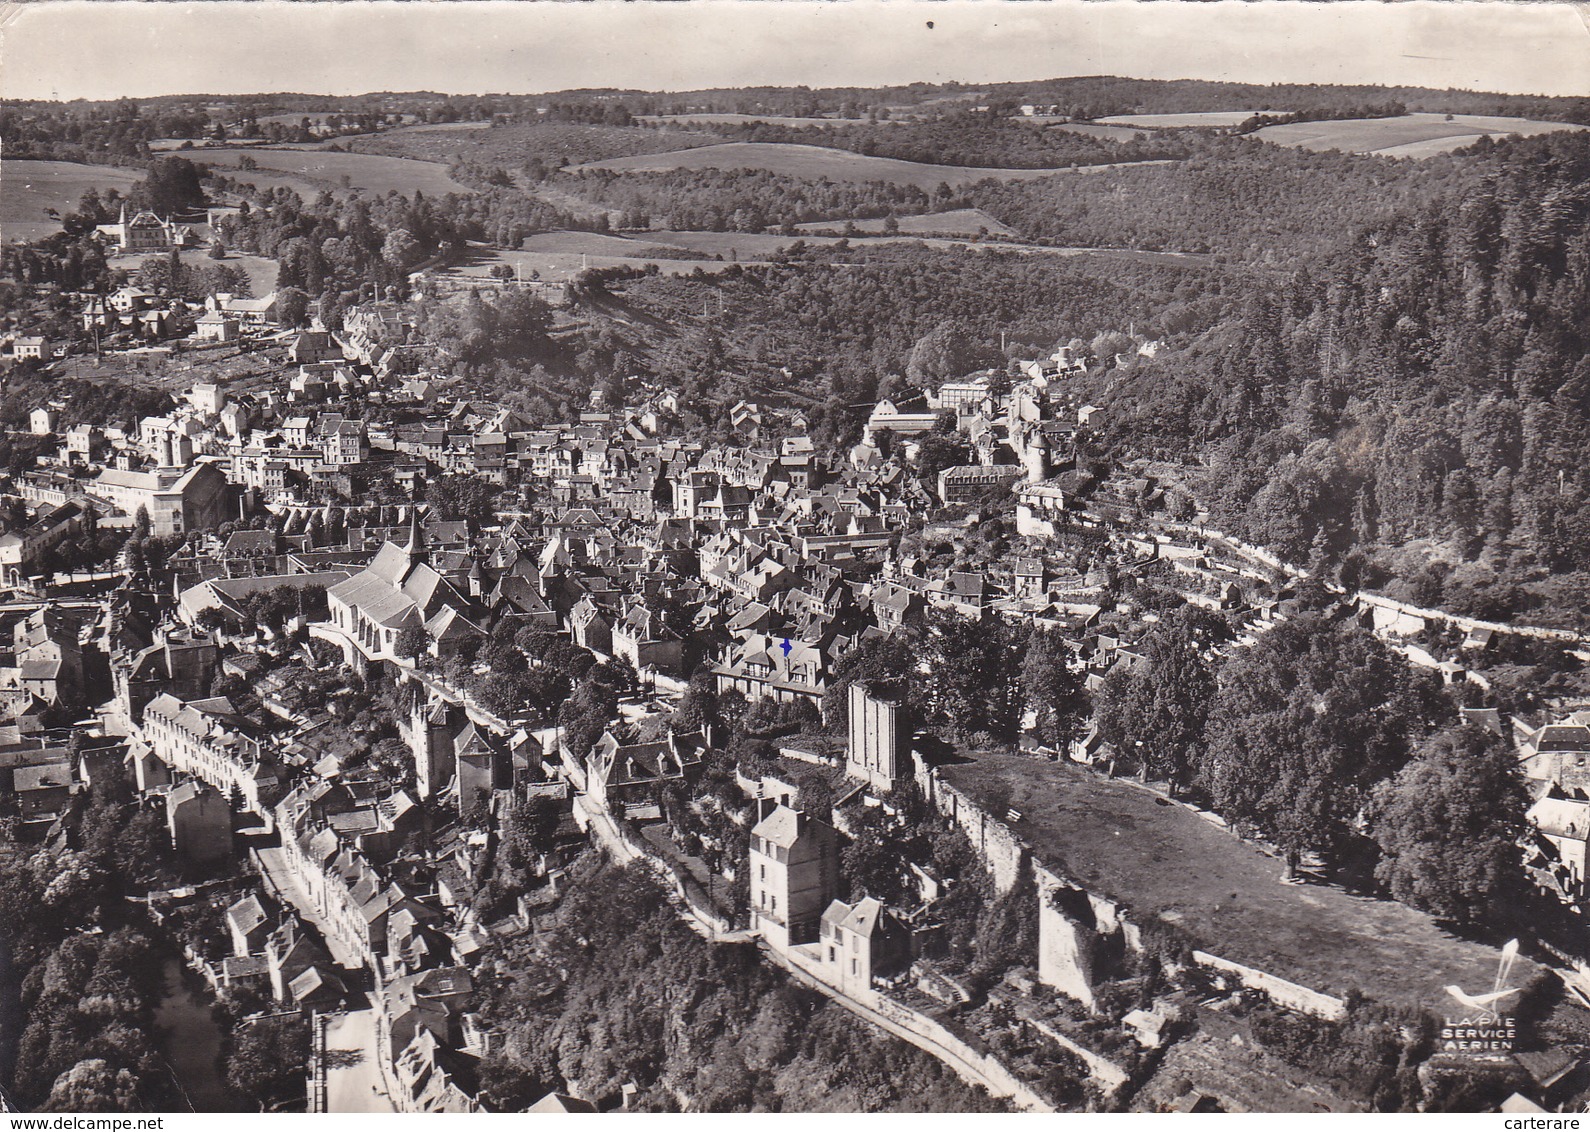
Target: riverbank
[(191, 1042)]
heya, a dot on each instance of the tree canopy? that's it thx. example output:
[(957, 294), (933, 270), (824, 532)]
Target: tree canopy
[(1305, 723), (1154, 711), (1449, 825)]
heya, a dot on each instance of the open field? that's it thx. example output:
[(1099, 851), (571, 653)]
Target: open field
[(1410, 135), (511, 146), (813, 162), (562, 266), (748, 247), (261, 272), (425, 128), (589, 243), (321, 169), (745, 246), (747, 119), (560, 256), (1206, 118), (268, 180), (1096, 130), (27, 188), (1430, 147), (956, 222), (1165, 862), (366, 143)]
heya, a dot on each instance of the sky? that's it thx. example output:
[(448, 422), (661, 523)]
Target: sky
[(100, 49)]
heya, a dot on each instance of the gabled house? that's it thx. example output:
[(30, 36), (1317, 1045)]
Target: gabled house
[(249, 926), (777, 667), (1564, 825), (793, 859), (862, 942), (620, 771), (642, 637)]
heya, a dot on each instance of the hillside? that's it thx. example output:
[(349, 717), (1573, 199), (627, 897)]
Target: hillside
[(810, 162), (1172, 866), (1424, 385), (823, 329), (620, 991), (1408, 135), (955, 222), (324, 169), (30, 189), (1236, 196), (516, 145)]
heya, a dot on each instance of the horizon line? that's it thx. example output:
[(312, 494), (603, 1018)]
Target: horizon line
[(649, 91), (70, 50)]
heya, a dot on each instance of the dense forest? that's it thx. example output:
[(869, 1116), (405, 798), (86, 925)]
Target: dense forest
[(829, 326), (1321, 739), (1238, 197), (744, 200), (975, 140), (1425, 382), (90, 969)]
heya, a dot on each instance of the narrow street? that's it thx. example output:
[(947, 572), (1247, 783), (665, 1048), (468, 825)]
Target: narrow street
[(283, 883), (352, 1068)]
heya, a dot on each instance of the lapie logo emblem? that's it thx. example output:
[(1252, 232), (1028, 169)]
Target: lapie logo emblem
[(1484, 1028)]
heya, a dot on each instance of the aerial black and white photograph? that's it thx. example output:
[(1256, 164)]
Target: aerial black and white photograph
[(794, 557)]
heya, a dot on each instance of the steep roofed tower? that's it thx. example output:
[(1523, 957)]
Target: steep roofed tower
[(414, 547)]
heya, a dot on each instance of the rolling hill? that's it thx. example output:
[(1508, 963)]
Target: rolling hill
[(30, 187), (812, 162), (324, 169), (1409, 135)]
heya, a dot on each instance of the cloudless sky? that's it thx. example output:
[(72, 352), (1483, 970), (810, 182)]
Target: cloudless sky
[(95, 49)]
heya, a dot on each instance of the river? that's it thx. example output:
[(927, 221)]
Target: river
[(191, 1042)]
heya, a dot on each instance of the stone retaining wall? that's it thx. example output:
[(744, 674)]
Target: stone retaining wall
[(921, 1031), (1001, 851), (1291, 995), (1064, 941)]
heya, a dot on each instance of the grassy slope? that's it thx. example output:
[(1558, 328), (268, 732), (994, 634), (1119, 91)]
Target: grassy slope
[(812, 161), (371, 172), (512, 145), (956, 222), (27, 188), (1389, 135), (1164, 861), (1173, 121)]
